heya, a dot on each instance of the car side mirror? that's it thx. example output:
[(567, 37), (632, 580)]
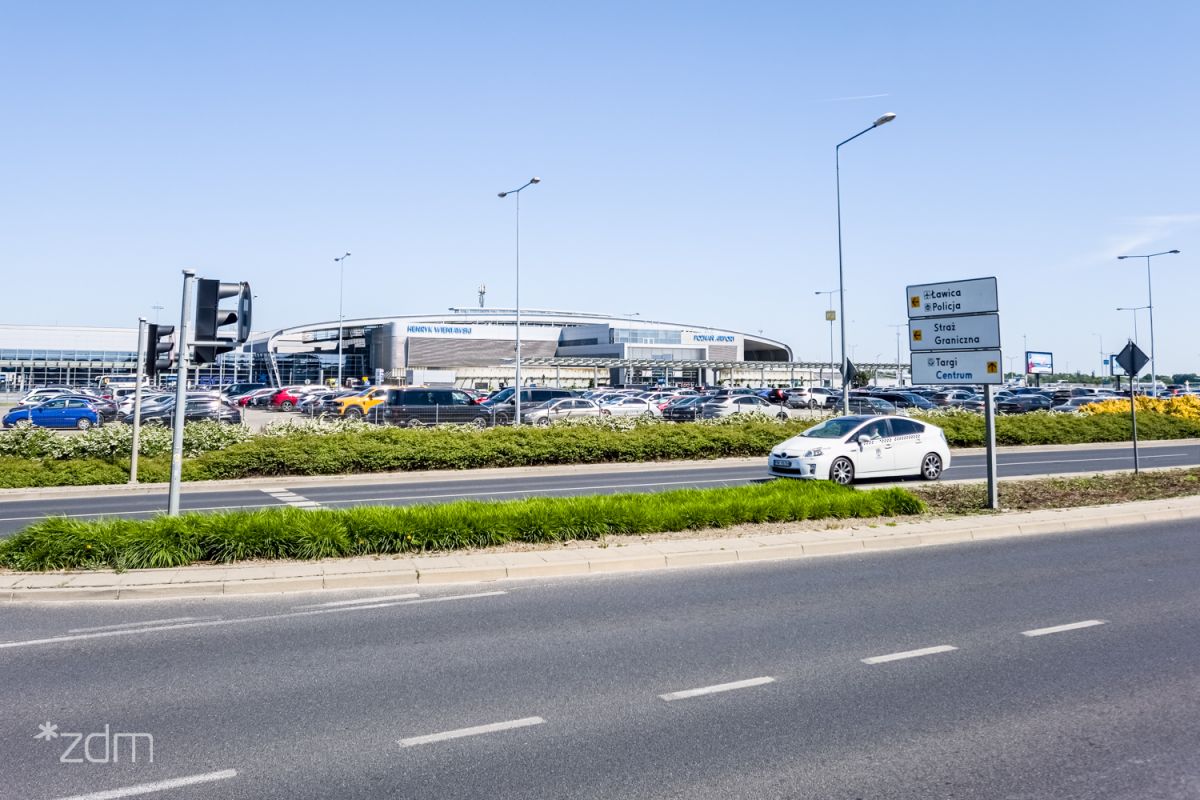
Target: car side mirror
[(864, 438)]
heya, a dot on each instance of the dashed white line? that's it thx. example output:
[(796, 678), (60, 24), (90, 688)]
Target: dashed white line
[(1070, 626), (137, 624), (157, 786), (720, 687), (475, 731), (924, 651), (361, 600)]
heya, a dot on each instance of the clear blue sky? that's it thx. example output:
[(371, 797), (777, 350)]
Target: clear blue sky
[(686, 153)]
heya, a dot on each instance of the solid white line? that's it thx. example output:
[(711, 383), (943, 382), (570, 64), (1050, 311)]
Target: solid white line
[(264, 617), (360, 601), (1070, 626), (135, 624), (157, 786), (720, 687), (475, 731), (535, 490), (1001, 462), (925, 651)]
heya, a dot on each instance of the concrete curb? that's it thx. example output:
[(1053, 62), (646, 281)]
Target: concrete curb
[(433, 476), (387, 573)]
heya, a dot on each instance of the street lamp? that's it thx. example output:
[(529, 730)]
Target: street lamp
[(156, 310), (829, 316), (517, 391), (837, 161), (341, 261), (898, 326), (1150, 305), (1134, 309)]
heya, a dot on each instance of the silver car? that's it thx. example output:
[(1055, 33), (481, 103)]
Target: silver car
[(630, 407), (740, 404), (559, 408)]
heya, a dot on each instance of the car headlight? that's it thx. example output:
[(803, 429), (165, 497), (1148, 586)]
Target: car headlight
[(814, 452)]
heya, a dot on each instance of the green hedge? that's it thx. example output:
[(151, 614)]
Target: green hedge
[(965, 429), (372, 449), (64, 543)]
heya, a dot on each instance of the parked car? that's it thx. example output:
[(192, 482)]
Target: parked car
[(503, 403), (906, 400), (559, 408), (844, 449), (194, 410), (952, 397), (1024, 403), (236, 390), (256, 397), (808, 397), (57, 412), (413, 407), (740, 404), (359, 404), (1075, 403), (42, 394), (630, 406), (684, 409), (863, 404)]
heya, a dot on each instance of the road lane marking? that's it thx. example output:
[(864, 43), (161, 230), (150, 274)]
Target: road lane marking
[(261, 618), (361, 600), (924, 651), (475, 731), (720, 687), (1001, 462), (137, 624), (157, 786), (547, 490), (1070, 626)]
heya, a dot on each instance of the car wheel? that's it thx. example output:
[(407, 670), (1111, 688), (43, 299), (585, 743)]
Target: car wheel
[(286, 405), (354, 413), (782, 416), (931, 466), (542, 421), (83, 423), (413, 422), (812, 404), (841, 471), (480, 422)]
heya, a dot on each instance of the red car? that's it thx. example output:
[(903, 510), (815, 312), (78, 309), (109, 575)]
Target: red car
[(285, 399)]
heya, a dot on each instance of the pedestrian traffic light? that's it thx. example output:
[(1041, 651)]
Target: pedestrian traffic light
[(159, 355), (210, 318)]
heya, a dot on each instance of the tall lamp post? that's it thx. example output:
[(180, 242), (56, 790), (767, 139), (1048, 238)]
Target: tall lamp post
[(837, 161), (829, 316), (517, 390), (1150, 305), (899, 374), (341, 261)]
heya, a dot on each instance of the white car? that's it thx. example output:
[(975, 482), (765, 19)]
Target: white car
[(559, 408), (844, 449), (740, 404), (629, 407)]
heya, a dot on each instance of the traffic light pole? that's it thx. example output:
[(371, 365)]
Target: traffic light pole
[(180, 397), (137, 401)]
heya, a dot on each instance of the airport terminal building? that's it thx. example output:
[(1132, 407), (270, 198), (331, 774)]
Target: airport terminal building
[(470, 347)]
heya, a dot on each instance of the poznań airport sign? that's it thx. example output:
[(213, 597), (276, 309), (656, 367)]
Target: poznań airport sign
[(957, 367)]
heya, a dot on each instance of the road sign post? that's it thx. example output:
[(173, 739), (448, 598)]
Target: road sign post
[(1132, 359), (954, 338)]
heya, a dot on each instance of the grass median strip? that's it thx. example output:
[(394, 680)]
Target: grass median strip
[(277, 533)]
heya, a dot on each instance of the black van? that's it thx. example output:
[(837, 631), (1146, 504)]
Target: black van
[(414, 407)]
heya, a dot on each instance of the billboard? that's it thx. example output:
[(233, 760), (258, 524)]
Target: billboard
[(1039, 363)]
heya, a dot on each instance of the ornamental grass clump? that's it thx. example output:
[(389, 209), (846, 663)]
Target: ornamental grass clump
[(60, 543)]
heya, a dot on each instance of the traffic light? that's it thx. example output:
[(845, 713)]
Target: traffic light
[(210, 318), (159, 357)]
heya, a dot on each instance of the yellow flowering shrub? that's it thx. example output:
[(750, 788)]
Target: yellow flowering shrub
[(1184, 406)]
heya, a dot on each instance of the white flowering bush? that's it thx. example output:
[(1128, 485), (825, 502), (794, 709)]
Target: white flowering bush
[(115, 440), (320, 426)]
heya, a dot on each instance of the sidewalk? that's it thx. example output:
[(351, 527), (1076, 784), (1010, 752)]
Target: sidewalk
[(550, 561)]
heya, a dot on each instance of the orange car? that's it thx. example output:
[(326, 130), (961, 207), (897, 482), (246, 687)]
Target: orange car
[(357, 405)]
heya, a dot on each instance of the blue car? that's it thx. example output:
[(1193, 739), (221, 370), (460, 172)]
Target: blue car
[(61, 412)]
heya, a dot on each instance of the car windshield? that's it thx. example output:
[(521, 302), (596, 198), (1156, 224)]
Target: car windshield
[(834, 428)]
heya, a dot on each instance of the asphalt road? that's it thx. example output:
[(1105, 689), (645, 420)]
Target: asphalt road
[(758, 681), (15, 514)]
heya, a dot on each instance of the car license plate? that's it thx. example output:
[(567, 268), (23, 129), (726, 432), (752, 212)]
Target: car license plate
[(781, 462)]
